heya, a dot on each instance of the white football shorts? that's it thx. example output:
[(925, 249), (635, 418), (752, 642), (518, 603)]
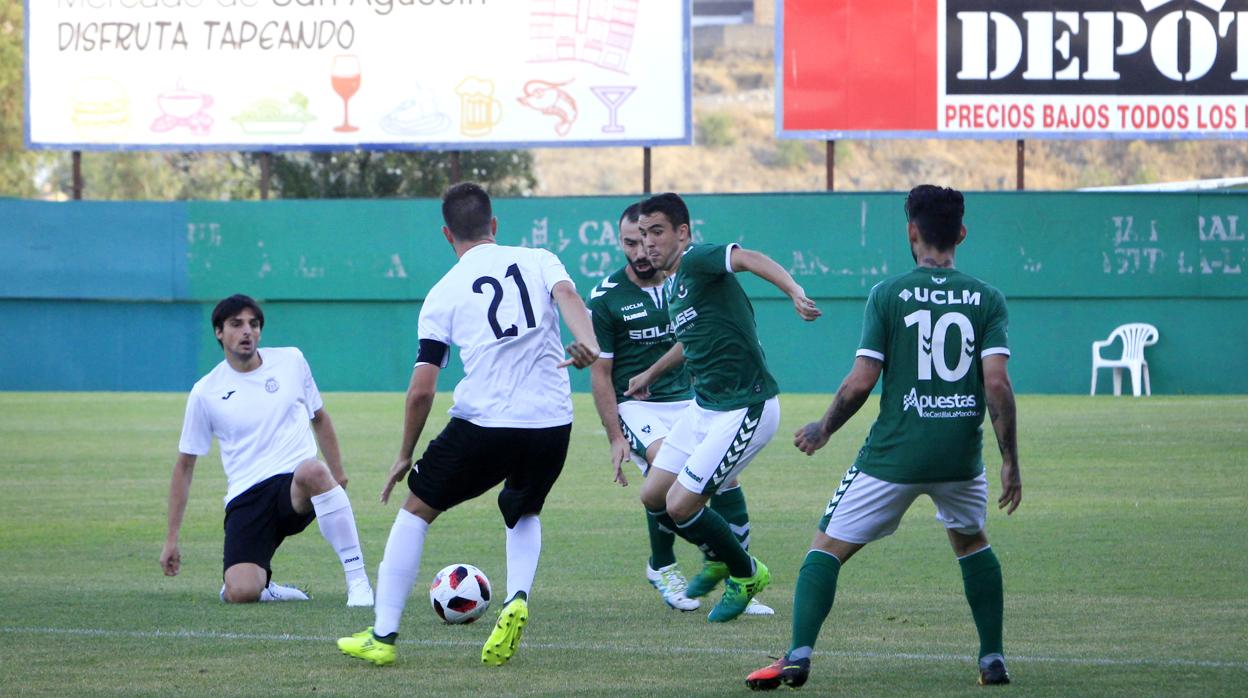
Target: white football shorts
[(706, 448), (646, 422), (866, 509)]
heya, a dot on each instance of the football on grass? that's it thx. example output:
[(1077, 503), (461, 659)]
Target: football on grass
[(460, 593)]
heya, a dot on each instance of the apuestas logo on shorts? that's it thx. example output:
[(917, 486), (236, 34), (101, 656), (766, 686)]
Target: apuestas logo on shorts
[(940, 406)]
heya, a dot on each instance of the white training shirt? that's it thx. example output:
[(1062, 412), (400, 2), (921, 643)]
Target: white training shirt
[(510, 355), (260, 418)]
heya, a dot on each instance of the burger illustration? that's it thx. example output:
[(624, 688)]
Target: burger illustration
[(100, 104)]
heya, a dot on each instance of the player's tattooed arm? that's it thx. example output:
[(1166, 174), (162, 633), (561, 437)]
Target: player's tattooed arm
[(767, 269), (849, 399), (999, 393)]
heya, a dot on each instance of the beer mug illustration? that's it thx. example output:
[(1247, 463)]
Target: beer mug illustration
[(479, 112)]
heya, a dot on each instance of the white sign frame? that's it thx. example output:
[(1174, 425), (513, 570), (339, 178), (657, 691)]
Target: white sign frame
[(582, 73)]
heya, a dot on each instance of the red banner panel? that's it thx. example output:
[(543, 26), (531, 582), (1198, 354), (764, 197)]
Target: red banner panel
[(1012, 68)]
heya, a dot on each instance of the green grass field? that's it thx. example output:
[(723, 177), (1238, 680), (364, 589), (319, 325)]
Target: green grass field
[(1126, 568)]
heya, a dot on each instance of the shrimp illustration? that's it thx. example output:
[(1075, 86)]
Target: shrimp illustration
[(550, 99)]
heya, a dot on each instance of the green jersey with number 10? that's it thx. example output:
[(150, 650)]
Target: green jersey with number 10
[(931, 328)]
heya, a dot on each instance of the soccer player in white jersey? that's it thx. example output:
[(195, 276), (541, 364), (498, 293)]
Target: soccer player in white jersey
[(263, 407), (510, 421)]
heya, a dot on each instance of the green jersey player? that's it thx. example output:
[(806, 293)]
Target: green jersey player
[(736, 411), (939, 337), (631, 324)]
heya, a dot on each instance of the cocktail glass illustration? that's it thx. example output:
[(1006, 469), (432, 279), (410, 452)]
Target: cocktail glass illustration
[(613, 97), (345, 77)]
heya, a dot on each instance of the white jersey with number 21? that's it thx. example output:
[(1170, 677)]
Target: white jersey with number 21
[(495, 304)]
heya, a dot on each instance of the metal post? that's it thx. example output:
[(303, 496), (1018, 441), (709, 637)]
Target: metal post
[(831, 166), (645, 170), (266, 172), (1021, 164), (77, 165), (456, 168)]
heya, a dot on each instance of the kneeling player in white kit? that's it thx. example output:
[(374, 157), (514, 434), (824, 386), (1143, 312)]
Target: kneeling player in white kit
[(510, 422), (263, 407), (633, 329)]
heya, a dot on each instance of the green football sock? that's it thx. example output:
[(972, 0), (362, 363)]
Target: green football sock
[(662, 541), (981, 578), (730, 504), (710, 532), (812, 600)]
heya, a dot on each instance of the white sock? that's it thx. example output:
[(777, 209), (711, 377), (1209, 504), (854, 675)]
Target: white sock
[(399, 568), (337, 522), (524, 546)]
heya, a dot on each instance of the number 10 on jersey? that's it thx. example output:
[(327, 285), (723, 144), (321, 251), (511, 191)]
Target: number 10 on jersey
[(932, 344)]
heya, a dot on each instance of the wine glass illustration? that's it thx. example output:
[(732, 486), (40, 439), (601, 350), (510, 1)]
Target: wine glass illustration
[(345, 77)]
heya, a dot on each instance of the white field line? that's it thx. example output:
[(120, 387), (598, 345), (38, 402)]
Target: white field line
[(602, 646)]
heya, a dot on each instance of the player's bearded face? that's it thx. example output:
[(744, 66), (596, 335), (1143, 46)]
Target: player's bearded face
[(634, 247)]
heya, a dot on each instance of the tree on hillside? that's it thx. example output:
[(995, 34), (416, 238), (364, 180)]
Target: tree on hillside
[(370, 174), (17, 165), (144, 175)]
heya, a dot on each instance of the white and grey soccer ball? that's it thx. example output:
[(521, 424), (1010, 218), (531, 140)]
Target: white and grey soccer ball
[(460, 593)]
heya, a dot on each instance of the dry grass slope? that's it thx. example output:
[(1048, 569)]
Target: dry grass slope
[(736, 150)]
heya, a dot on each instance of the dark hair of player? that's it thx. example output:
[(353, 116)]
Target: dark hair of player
[(937, 212), (670, 205), (229, 307), (467, 212), (632, 214)]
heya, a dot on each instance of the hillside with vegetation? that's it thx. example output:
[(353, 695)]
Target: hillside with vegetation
[(736, 150)]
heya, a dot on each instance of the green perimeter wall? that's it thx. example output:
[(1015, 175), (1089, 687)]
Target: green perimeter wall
[(116, 296)]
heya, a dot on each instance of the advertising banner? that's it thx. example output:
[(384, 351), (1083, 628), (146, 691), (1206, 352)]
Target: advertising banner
[(1012, 69), (339, 74)]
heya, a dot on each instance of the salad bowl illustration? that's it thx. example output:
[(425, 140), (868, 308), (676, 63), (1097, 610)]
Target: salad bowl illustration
[(275, 117)]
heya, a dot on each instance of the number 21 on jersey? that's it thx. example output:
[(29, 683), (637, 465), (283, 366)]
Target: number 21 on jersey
[(932, 344), (496, 300)]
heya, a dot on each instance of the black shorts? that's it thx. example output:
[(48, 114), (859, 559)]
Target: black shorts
[(259, 519), (466, 460)]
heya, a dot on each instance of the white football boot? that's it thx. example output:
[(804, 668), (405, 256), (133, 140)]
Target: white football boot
[(758, 609), (671, 584), (277, 592)]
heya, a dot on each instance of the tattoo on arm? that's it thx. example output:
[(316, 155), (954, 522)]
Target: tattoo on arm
[(846, 403), (1001, 411)]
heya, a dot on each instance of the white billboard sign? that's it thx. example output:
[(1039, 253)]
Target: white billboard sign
[(336, 74)]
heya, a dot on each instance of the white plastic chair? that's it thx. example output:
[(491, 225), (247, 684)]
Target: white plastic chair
[(1135, 336)]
